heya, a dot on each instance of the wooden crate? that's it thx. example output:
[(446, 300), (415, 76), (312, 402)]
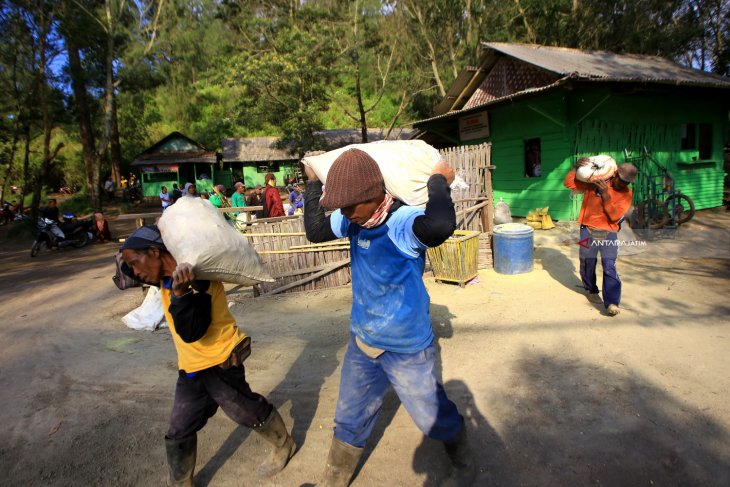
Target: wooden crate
[(456, 259)]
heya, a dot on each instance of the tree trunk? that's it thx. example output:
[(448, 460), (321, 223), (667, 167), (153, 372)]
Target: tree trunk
[(11, 160), (26, 169), (78, 84), (360, 106), (115, 146)]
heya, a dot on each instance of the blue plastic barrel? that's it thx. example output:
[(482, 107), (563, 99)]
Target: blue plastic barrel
[(513, 243)]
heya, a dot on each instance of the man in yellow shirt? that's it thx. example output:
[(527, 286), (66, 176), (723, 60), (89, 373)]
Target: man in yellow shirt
[(210, 350)]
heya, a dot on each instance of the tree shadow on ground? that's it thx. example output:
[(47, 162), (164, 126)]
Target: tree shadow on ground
[(571, 422)]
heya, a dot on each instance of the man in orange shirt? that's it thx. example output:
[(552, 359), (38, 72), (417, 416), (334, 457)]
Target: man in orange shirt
[(604, 205)]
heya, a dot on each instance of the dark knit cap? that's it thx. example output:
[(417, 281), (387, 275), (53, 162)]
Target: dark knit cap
[(353, 178)]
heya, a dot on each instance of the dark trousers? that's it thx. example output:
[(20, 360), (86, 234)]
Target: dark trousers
[(588, 260), (198, 398)]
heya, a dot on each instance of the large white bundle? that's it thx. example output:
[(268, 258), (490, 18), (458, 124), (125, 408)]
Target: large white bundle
[(196, 233), (149, 316), (596, 168), (406, 166)]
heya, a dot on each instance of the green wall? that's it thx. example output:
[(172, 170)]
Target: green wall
[(597, 120)]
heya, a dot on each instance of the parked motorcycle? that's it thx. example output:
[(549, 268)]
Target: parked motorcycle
[(51, 235), (6, 214), (10, 212)]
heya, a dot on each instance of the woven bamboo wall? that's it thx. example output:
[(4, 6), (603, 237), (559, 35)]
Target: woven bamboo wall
[(302, 268), (473, 164)]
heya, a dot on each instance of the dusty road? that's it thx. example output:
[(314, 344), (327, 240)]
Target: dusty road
[(554, 392)]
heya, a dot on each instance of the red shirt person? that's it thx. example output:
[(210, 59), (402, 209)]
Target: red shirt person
[(273, 205)]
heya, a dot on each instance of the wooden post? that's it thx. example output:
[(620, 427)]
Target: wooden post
[(488, 210)]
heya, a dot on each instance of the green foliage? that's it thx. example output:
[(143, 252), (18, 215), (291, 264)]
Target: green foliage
[(221, 68), (78, 204)]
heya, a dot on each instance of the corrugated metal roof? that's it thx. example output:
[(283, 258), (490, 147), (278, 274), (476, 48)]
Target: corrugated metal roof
[(175, 148), (256, 149), (604, 64), (569, 64), (206, 157)]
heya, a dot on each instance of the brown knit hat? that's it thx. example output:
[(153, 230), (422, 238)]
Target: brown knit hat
[(353, 178)]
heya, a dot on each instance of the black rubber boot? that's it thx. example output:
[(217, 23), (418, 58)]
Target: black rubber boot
[(341, 463), (274, 431), (181, 460), (462, 461)]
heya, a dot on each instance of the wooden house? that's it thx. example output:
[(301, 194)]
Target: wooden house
[(544, 107), (176, 159)]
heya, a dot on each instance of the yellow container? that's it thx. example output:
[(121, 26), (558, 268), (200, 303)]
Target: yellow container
[(456, 259)]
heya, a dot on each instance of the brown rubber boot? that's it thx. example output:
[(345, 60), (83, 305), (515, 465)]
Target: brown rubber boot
[(341, 463), (462, 461), (181, 460), (274, 431)]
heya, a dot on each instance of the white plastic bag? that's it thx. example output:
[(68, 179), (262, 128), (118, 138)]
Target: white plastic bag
[(502, 213), (196, 233), (406, 166), (597, 168), (149, 316)]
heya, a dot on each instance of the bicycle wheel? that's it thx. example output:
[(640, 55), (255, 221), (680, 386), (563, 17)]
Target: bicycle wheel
[(652, 214), (685, 207)]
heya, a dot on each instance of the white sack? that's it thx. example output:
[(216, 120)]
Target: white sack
[(598, 168), (196, 233), (502, 213), (406, 166), (149, 316)]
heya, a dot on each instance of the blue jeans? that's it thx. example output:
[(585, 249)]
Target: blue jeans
[(364, 382), (588, 260)]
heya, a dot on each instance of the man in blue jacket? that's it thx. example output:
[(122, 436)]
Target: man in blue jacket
[(391, 341)]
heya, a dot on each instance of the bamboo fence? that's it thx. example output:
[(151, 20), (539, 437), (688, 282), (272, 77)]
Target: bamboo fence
[(298, 265)]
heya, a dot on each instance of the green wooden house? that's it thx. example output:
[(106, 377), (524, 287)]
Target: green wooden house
[(544, 107), (178, 159)]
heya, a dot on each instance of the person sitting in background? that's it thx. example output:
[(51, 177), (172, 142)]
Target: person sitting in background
[(296, 200), (190, 190), (100, 228), (165, 198), (176, 193), (109, 188)]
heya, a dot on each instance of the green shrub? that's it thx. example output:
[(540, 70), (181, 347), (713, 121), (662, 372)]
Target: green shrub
[(78, 204)]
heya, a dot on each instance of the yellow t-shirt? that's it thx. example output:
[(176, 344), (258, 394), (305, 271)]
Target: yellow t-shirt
[(216, 345)]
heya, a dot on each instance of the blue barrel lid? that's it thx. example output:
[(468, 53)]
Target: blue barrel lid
[(513, 229)]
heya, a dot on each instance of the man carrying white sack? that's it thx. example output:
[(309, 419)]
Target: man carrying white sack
[(210, 350), (391, 339)]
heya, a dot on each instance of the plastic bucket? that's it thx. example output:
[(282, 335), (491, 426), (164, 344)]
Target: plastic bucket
[(513, 243)]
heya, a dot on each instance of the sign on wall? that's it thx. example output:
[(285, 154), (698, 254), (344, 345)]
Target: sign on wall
[(474, 126)]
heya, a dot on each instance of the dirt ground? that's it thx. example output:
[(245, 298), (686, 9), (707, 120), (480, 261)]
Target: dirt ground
[(553, 391)]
